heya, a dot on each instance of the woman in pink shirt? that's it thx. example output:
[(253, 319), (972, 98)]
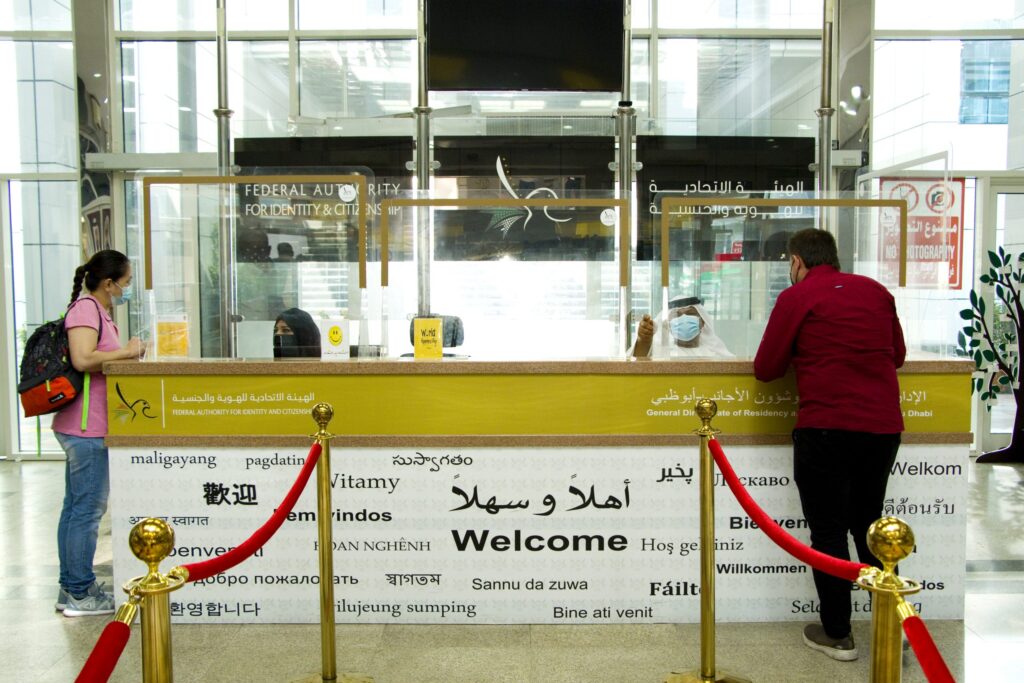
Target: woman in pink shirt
[(93, 340)]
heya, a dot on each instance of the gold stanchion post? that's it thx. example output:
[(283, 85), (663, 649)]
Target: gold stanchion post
[(706, 410), (891, 540), (152, 540), (322, 413)]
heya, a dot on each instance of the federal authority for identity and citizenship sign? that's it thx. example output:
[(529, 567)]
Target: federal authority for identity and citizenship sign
[(508, 535)]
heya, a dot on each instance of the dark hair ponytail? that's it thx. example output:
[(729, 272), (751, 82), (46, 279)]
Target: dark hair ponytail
[(103, 265)]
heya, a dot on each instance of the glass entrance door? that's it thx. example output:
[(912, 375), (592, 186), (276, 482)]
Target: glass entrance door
[(1003, 226)]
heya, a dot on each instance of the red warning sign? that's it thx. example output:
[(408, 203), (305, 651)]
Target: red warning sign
[(935, 236)]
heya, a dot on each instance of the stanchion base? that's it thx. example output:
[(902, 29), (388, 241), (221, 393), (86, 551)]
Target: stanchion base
[(342, 678), (695, 677)]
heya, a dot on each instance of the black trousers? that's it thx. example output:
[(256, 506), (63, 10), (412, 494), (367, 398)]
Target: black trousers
[(841, 477)]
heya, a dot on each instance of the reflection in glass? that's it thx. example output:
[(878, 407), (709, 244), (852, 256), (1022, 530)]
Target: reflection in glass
[(356, 78), (330, 14), (522, 304), (169, 114), (535, 167), (296, 246), (741, 14), (40, 77), (985, 82), (935, 15), (176, 115), (922, 89), (170, 15), (738, 87), (35, 15)]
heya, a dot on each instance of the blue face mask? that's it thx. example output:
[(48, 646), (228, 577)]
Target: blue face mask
[(126, 295), (685, 328)]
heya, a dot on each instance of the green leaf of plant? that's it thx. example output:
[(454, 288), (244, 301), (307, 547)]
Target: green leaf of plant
[(995, 259), (989, 355), (967, 314), (985, 279)]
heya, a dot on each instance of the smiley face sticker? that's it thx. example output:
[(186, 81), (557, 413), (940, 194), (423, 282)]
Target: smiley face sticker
[(334, 335)]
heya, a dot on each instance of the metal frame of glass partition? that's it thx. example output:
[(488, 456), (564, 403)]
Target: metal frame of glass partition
[(362, 194), (148, 183), (624, 251), (623, 204)]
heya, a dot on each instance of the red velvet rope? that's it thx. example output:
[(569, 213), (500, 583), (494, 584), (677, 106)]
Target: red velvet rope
[(844, 569), (105, 653), (935, 669), (222, 563)]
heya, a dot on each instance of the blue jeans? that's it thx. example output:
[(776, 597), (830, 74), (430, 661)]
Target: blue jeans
[(86, 488)]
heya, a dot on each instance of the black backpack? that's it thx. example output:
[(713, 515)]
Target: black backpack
[(48, 380)]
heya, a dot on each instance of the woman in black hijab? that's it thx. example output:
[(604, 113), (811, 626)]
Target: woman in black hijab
[(296, 335)]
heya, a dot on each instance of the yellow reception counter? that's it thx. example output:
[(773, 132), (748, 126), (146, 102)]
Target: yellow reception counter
[(463, 402), (504, 492)]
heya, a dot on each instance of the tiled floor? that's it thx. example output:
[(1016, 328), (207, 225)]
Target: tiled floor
[(39, 645)]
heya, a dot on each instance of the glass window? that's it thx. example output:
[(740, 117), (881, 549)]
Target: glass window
[(255, 15), (738, 87), (741, 14), (169, 114), (366, 14), (35, 15), (164, 114), (201, 15), (926, 95), (985, 81), (641, 18), (639, 76), (934, 15), (46, 248), (258, 88), (43, 85), (357, 78), (168, 15)]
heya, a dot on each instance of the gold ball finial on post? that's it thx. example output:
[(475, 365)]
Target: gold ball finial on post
[(152, 540), (706, 410), (322, 414), (891, 540)]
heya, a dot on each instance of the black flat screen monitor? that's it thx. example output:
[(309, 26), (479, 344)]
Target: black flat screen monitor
[(568, 45)]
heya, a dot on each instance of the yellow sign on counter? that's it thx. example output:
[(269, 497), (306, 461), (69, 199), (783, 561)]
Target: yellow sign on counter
[(427, 337), (172, 336), (491, 404)]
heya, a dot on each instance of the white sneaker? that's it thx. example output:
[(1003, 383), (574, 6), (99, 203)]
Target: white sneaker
[(95, 601), (62, 600)]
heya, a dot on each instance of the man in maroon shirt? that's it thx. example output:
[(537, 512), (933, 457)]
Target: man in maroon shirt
[(841, 334)]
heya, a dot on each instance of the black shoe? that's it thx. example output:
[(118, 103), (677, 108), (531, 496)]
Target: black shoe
[(841, 649)]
